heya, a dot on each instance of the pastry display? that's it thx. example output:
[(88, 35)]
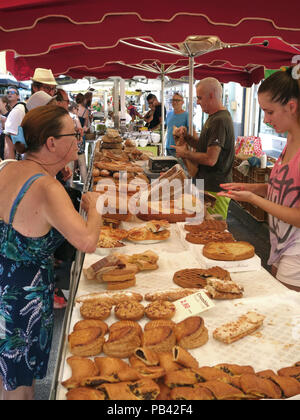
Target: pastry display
[(223, 289), (233, 331), (197, 277), (95, 271), (160, 310), (229, 251)]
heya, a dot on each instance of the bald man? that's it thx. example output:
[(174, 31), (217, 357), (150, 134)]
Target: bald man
[(214, 150)]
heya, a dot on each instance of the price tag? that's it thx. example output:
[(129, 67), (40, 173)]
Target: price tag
[(192, 305)]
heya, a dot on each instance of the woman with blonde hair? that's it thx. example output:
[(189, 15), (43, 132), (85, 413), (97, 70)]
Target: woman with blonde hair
[(35, 217)]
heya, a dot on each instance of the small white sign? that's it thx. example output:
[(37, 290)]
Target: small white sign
[(192, 305)]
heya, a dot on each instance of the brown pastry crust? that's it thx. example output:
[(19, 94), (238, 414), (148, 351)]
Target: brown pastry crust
[(159, 339), (191, 333), (259, 387), (233, 369), (223, 289), (85, 394), (188, 393), (170, 295), (160, 310), (145, 389), (118, 275), (122, 342), (197, 277), (184, 358), (121, 285), (112, 298), (228, 251), (86, 342), (126, 323), (81, 368), (159, 323), (120, 370), (119, 391), (95, 310), (207, 225), (91, 323), (222, 390), (293, 371), (147, 356), (209, 236), (129, 310), (152, 372), (167, 362), (182, 377)]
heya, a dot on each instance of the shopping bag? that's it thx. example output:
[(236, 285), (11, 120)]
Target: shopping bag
[(247, 146)]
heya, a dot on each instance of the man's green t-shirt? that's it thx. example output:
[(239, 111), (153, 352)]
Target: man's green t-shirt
[(217, 131)]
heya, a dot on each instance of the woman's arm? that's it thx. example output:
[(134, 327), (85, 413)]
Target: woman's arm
[(259, 189), (61, 214)]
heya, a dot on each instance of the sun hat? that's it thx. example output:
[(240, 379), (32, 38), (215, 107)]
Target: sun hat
[(38, 99), (44, 76)]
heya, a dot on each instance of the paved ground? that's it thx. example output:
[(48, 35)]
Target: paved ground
[(241, 225)]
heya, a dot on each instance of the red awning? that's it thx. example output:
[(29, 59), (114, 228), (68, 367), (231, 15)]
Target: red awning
[(35, 26)]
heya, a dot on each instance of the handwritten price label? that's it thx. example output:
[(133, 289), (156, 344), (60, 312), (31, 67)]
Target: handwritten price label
[(192, 305)]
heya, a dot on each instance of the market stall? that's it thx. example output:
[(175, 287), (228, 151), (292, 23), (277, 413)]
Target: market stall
[(276, 340)]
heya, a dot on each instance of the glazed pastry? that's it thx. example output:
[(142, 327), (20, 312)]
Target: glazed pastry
[(130, 310), (122, 342), (184, 358), (159, 339), (85, 394), (233, 369), (289, 386), (166, 361), (81, 368), (95, 310), (147, 356), (145, 389), (191, 333), (86, 342), (255, 386), (152, 372), (121, 324), (160, 310), (222, 390), (91, 323), (188, 393)]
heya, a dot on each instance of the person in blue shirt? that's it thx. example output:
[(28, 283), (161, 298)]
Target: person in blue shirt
[(178, 117)]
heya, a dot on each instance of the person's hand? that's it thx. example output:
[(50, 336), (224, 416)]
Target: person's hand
[(180, 150), (89, 201), (66, 173), (236, 191)]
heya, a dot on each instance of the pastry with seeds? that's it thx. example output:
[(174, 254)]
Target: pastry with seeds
[(160, 310), (129, 310)]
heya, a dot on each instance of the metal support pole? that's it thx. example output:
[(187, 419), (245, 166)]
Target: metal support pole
[(191, 86), (163, 107)]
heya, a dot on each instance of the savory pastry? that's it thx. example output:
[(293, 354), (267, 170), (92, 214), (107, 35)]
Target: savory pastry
[(86, 342), (228, 251), (170, 295), (233, 331), (191, 333), (129, 310), (85, 394), (197, 277), (160, 310), (223, 289), (81, 368), (95, 310), (184, 358), (159, 339)]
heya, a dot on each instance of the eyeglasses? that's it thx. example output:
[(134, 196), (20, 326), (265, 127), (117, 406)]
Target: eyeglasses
[(11, 92), (49, 88), (77, 135)]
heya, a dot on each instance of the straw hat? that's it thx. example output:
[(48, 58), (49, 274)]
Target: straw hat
[(38, 99), (44, 76)]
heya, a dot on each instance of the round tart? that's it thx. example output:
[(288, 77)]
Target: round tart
[(160, 310), (129, 310), (95, 310), (229, 251)]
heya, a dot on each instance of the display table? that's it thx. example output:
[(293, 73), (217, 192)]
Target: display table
[(275, 345)]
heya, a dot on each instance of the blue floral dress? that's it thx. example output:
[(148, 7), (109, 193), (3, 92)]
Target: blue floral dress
[(26, 301)]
